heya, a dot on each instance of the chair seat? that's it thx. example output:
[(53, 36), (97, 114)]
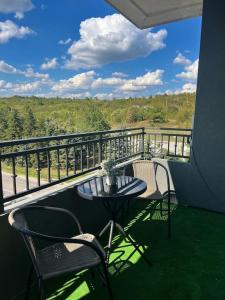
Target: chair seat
[(66, 257), (151, 195)]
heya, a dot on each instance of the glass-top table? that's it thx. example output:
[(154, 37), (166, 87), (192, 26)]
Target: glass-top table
[(114, 198)]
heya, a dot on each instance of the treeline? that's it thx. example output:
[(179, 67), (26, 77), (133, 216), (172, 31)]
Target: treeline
[(22, 117)]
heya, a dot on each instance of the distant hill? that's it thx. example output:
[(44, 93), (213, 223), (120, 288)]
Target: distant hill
[(32, 116)]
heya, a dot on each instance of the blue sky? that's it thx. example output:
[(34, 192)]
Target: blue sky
[(86, 49)]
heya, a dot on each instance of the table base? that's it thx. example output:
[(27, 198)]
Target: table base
[(111, 225)]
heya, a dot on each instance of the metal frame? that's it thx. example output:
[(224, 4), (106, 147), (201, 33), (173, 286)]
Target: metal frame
[(87, 151), (166, 195), (27, 234), (83, 153)]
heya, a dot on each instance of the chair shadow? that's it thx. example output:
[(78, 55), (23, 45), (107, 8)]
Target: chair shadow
[(122, 265)]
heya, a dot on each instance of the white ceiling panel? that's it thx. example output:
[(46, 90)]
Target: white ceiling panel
[(148, 13)]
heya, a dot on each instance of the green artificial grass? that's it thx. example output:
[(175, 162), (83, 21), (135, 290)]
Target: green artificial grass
[(189, 266)]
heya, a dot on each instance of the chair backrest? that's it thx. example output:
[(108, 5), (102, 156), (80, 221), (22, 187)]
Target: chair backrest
[(146, 170), (18, 221)]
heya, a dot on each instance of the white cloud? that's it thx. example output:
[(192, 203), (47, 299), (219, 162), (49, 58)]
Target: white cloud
[(19, 7), (79, 81), (191, 71), (79, 95), (119, 74), (143, 82), (23, 88), (105, 96), (181, 59), (49, 64), (65, 42), (112, 39), (29, 72), (9, 30), (189, 88), (137, 84), (186, 88), (2, 84), (107, 82), (6, 68)]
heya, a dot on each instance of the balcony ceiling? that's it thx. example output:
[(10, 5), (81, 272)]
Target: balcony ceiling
[(148, 13)]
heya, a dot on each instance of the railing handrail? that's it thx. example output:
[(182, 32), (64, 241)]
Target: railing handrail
[(58, 147), (168, 129), (8, 143)]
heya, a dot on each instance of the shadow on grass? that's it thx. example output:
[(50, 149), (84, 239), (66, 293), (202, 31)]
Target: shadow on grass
[(189, 266)]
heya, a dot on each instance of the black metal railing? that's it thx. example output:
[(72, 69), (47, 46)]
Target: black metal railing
[(46, 161), (168, 142)]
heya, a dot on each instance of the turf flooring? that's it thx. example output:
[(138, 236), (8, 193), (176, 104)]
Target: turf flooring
[(189, 266)]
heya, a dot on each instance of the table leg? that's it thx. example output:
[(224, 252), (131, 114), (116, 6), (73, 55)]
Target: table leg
[(134, 244)]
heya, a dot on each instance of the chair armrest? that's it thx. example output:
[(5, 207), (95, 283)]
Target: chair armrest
[(59, 239)]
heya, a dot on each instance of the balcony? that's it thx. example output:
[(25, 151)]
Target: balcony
[(179, 265), (190, 266)]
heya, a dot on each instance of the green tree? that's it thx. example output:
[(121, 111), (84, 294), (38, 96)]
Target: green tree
[(29, 123), (15, 125), (159, 117), (95, 120)]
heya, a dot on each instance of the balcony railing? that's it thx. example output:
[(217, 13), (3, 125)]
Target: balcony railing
[(46, 161), (168, 142)]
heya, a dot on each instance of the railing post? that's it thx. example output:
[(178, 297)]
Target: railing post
[(1, 188), (143, 142), (100, 148)]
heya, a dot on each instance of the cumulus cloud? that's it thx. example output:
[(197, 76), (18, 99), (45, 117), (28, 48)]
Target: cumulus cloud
[(79, 95), (190, 72), (9, 30), (65, 42), (49, 64), (29, 72), (6, 68), (181, 60), (107, 82), (2, 84), (19, 7), (26, 87), (105, 96), (22, 88), (112, 39), (77, 82), (88, 80), (119, 74), (143, 82), (186, 88), (82, 85)]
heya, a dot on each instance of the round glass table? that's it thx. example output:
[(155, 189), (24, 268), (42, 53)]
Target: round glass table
[(114, 198)]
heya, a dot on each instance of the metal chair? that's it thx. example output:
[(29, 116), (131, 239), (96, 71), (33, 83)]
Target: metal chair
[(147, 170), (62, 255)]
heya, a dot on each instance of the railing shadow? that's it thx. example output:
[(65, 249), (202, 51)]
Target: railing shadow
[(143, 226)]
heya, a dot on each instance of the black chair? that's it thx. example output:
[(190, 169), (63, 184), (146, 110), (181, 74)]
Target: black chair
[(147, 170), (62, 254)]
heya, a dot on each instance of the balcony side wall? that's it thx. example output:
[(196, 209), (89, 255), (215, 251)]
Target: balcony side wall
[(201, 183)]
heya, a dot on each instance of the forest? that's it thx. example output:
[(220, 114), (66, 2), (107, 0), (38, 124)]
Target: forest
[(24, 117)]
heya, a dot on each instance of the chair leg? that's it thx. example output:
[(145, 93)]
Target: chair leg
[(29, 282), (161, 207), (107, 281), (40, 289), (169, 220)]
